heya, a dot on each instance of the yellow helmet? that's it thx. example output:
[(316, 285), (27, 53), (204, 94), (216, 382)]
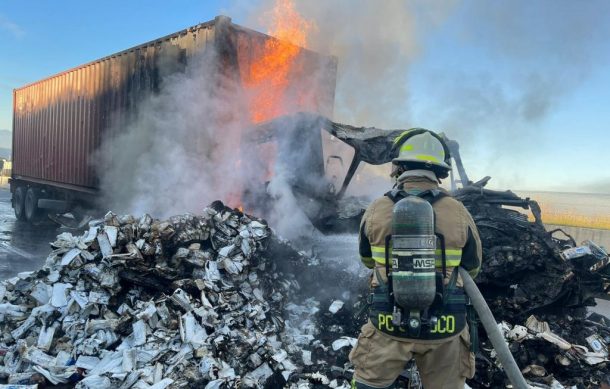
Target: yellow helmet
[(418, 148)]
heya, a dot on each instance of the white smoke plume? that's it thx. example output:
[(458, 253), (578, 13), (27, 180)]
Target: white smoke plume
[(189, 145), (182, 150), (287, 215), (375, 43)]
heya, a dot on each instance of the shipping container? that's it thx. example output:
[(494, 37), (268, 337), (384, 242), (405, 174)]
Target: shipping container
[(59, 122)]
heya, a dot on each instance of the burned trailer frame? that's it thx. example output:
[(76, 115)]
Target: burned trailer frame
[(373, 146), (320, 198), (370, 145), (60, 123)]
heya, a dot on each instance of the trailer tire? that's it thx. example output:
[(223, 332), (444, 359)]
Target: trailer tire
[(31, 210), (19, 203)]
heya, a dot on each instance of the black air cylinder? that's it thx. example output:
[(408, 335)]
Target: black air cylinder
[(413, 253)]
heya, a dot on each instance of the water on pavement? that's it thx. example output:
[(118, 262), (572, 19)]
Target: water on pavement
[(23, 247)]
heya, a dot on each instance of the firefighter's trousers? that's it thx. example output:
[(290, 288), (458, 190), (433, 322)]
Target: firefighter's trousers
[(379, 359)]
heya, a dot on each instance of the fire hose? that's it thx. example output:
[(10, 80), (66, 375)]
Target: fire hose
[(489, 323)]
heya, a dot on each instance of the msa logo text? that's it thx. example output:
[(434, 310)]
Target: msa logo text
[(423, 263)]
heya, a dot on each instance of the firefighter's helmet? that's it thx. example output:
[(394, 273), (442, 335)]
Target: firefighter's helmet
[(418, 148)]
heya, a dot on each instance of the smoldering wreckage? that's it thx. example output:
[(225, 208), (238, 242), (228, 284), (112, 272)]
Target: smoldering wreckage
[(218, 300)]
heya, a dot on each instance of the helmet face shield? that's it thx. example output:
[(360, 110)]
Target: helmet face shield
[(422, 149)]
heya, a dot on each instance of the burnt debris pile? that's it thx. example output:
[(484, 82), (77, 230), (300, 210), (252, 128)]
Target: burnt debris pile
[(538, 285), (219, 301), (205, 301)]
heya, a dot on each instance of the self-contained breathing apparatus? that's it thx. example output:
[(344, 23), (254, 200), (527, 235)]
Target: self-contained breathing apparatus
[(415, 302)]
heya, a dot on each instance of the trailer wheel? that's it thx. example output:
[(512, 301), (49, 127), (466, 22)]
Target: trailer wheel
[(32, 212), (19, 203)]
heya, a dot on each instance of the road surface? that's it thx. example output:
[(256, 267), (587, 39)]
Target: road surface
[(23, 247)]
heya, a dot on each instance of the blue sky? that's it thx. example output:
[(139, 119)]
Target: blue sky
[(524, 86), (41, 38)]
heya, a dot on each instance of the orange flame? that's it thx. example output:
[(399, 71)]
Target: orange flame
[(269, 75), (272, 78)]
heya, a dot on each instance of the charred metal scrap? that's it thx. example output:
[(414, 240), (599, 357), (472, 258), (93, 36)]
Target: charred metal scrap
[(193, 301), (538, 286)]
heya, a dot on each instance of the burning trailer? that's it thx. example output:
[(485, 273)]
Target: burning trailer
[(84, 136)]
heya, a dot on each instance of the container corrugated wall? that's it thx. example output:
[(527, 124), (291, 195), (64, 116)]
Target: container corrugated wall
[(60, 122)]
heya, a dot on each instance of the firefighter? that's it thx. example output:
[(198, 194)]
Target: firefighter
[(442, 349)]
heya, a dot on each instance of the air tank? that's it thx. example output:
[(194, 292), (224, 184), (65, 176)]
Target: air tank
[(413, 254)]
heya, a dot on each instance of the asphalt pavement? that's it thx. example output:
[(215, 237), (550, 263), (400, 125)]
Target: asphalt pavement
[(23, 247)]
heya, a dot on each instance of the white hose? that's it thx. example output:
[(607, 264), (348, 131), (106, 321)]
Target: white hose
[(493, 333)]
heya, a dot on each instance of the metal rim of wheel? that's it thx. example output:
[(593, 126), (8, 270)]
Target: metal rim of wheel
[(19, 203), (31, 205)]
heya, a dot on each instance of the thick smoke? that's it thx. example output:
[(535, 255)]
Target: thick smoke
[(287, 214), (375, 43), (190, 144), (489, 74), (182, 150), (158, 165)]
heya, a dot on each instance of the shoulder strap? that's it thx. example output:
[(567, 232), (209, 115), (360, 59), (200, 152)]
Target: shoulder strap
[(396, 195)]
